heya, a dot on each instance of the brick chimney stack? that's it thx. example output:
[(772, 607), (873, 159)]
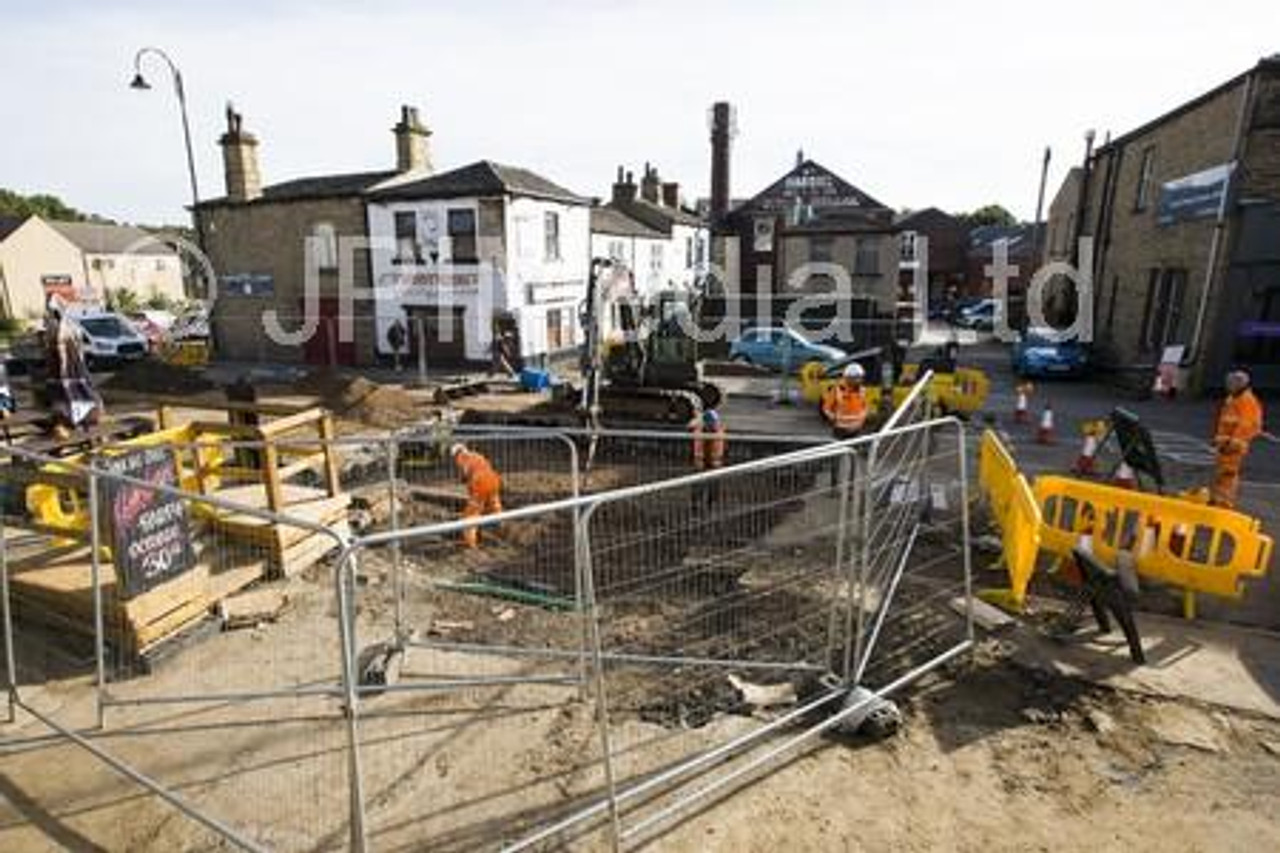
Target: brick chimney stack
[(671, 194), (724, 127), (650, 185), (240, 159), (413, 150), (624, 188)]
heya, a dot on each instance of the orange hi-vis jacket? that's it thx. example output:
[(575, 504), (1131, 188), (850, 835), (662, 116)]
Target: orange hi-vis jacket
[(844, 407), (482, 481), (1239, 422)]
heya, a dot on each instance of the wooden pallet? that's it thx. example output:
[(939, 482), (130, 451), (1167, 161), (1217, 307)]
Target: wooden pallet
[(54, 585), (290, 548)]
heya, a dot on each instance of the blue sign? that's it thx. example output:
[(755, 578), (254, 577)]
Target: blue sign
[(1259, 329), (1198, 196)]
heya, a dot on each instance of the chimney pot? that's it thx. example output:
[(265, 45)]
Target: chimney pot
[(651, 187), (624, 189)]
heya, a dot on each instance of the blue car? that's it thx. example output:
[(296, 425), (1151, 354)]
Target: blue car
[(1037, 355), (777, 347)]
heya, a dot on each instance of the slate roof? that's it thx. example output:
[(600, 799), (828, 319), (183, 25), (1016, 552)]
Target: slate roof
[(104, 239), (609, 220), (659, 216), (1021, 237), (482, 179), (318, 187)]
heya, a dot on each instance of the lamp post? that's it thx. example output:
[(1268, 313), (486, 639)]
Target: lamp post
[(140, 83)]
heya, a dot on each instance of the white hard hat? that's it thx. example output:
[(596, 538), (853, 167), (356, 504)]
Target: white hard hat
[(457, 448), (854, 371)]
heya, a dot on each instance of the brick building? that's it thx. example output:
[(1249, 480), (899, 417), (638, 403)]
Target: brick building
[(811, 216), (1184, 212), (945, 262)]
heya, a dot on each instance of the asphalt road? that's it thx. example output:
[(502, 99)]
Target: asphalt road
[(1181, 429)]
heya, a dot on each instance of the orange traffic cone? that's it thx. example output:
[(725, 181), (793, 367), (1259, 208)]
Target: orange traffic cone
[(1124, 477), (1087, 459), (1044, 433), (1020, 414)]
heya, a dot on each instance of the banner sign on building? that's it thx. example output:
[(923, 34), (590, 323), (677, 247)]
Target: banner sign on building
[(1197, 196)]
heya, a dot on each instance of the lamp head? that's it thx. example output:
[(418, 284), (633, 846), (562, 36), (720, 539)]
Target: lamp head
[(139, 82)]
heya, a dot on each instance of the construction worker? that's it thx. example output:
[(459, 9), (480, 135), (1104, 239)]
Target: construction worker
[(483, 488), (708, 440), (1239, 422), (844, 404)]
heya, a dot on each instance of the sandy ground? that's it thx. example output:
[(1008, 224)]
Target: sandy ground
[(999, 754), (993, 756)]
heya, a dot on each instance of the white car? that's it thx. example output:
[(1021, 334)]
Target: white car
[(108, 338)]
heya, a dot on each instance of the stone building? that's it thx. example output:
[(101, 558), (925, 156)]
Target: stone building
[(1184, 214), (261, 241)]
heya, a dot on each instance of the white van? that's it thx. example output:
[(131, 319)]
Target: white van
[(108, 338)]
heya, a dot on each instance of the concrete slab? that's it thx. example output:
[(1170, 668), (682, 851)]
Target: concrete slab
[(1236, 668)]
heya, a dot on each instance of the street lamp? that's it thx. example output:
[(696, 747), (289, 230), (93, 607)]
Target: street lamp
[(140, 83)]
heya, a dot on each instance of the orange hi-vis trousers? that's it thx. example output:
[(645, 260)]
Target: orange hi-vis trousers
[(484, 488)]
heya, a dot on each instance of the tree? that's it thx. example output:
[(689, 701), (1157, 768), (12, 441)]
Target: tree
[(991, 214), (122, 300), (40, 204)]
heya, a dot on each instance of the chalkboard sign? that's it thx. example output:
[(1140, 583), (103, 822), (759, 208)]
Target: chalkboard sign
[(148, 529)]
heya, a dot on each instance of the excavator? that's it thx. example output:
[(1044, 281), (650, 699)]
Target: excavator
[(640, 363)]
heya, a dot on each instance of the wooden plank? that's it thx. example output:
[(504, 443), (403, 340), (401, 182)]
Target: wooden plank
[(289, 423), (333, 477), (306, 553)]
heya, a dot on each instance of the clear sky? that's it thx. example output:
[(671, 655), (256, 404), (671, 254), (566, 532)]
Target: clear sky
[(918, 103)]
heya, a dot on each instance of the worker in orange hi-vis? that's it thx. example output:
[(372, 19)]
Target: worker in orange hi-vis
[(709, 441), (844, 404), (483, 488), (1239, 423)]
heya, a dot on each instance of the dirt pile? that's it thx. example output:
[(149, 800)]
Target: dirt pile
[(152, 376), (358, 399)]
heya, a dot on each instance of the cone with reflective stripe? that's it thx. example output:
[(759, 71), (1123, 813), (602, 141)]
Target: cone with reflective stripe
[(1085, 462), (1020, 414), (1124, 477), (1044, 432)]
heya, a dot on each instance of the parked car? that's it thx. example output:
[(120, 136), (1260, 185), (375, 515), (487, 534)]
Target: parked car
[(109, 339), (778, 346), (980, 316), (1035, 354), (192, 325), (154, 332)]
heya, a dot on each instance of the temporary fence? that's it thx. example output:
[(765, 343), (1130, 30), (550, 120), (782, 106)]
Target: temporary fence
[(581, 672)]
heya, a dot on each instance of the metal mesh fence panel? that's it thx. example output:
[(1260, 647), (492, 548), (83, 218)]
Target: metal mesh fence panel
[(217, 680), (913, 581), (710, 594)]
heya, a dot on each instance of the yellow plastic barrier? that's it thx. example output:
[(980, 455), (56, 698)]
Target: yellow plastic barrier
[(1190, 545), (963, 392), (1016, 513), (58, 505), (185, 353)]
